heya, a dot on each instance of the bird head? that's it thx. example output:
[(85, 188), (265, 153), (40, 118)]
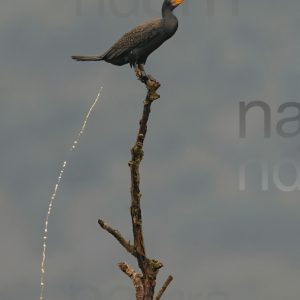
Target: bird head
[(173, 3)]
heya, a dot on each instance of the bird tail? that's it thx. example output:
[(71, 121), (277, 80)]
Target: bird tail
[(87, 58)]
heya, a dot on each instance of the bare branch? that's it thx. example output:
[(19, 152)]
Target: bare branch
[(149, 267), (136, 279), (164, 287), (126, 244), (144, 283), (137, 154)]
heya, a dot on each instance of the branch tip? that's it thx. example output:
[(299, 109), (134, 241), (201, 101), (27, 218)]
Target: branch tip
[(118, 236), (164, 287)]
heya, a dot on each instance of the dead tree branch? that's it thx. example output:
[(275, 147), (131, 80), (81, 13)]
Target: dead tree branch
[(136, 279), (144, 283), (164, 287), (126, 244)]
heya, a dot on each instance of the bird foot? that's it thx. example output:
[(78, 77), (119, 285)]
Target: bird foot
[(141, 74), (143, 77), (151, 83), (151, 78), (138, 71)]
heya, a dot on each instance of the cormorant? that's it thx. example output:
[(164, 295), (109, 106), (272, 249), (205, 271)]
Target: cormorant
[(135, 46)]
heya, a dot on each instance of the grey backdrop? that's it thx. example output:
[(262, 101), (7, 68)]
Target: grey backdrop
[(220, 243)]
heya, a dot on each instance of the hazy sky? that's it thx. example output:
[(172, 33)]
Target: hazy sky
[(219, 240)]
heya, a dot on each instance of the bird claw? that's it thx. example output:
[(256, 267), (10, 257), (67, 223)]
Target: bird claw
[(141, 74), (148, 79), (143, 77), (151, 78), (138, 72), (151, 83)]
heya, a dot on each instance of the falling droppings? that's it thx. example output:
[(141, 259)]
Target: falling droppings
[(59, 178)]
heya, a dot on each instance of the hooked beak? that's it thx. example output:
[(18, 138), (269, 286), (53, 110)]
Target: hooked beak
[(176, 2)]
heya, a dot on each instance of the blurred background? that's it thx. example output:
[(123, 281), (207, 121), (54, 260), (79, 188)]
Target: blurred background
[(225, 228)]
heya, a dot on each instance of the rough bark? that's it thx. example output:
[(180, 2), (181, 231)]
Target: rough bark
[(145, 282)]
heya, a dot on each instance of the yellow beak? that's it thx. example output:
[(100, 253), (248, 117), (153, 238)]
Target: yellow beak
[(176, 2)]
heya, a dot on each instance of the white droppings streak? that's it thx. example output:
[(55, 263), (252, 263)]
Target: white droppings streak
[(59, 178)]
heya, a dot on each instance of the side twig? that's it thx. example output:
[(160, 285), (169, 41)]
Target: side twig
[(126, 244), (136, 279), (164, 287)]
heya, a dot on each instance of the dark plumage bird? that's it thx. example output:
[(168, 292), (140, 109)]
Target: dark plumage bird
[(135, 46)]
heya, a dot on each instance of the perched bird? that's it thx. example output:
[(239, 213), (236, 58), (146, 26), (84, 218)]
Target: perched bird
[(135, 46)]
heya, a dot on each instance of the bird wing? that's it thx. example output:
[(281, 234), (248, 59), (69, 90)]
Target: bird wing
[(134, 38)]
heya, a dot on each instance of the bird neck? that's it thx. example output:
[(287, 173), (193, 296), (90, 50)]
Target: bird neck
[(167, 12)]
